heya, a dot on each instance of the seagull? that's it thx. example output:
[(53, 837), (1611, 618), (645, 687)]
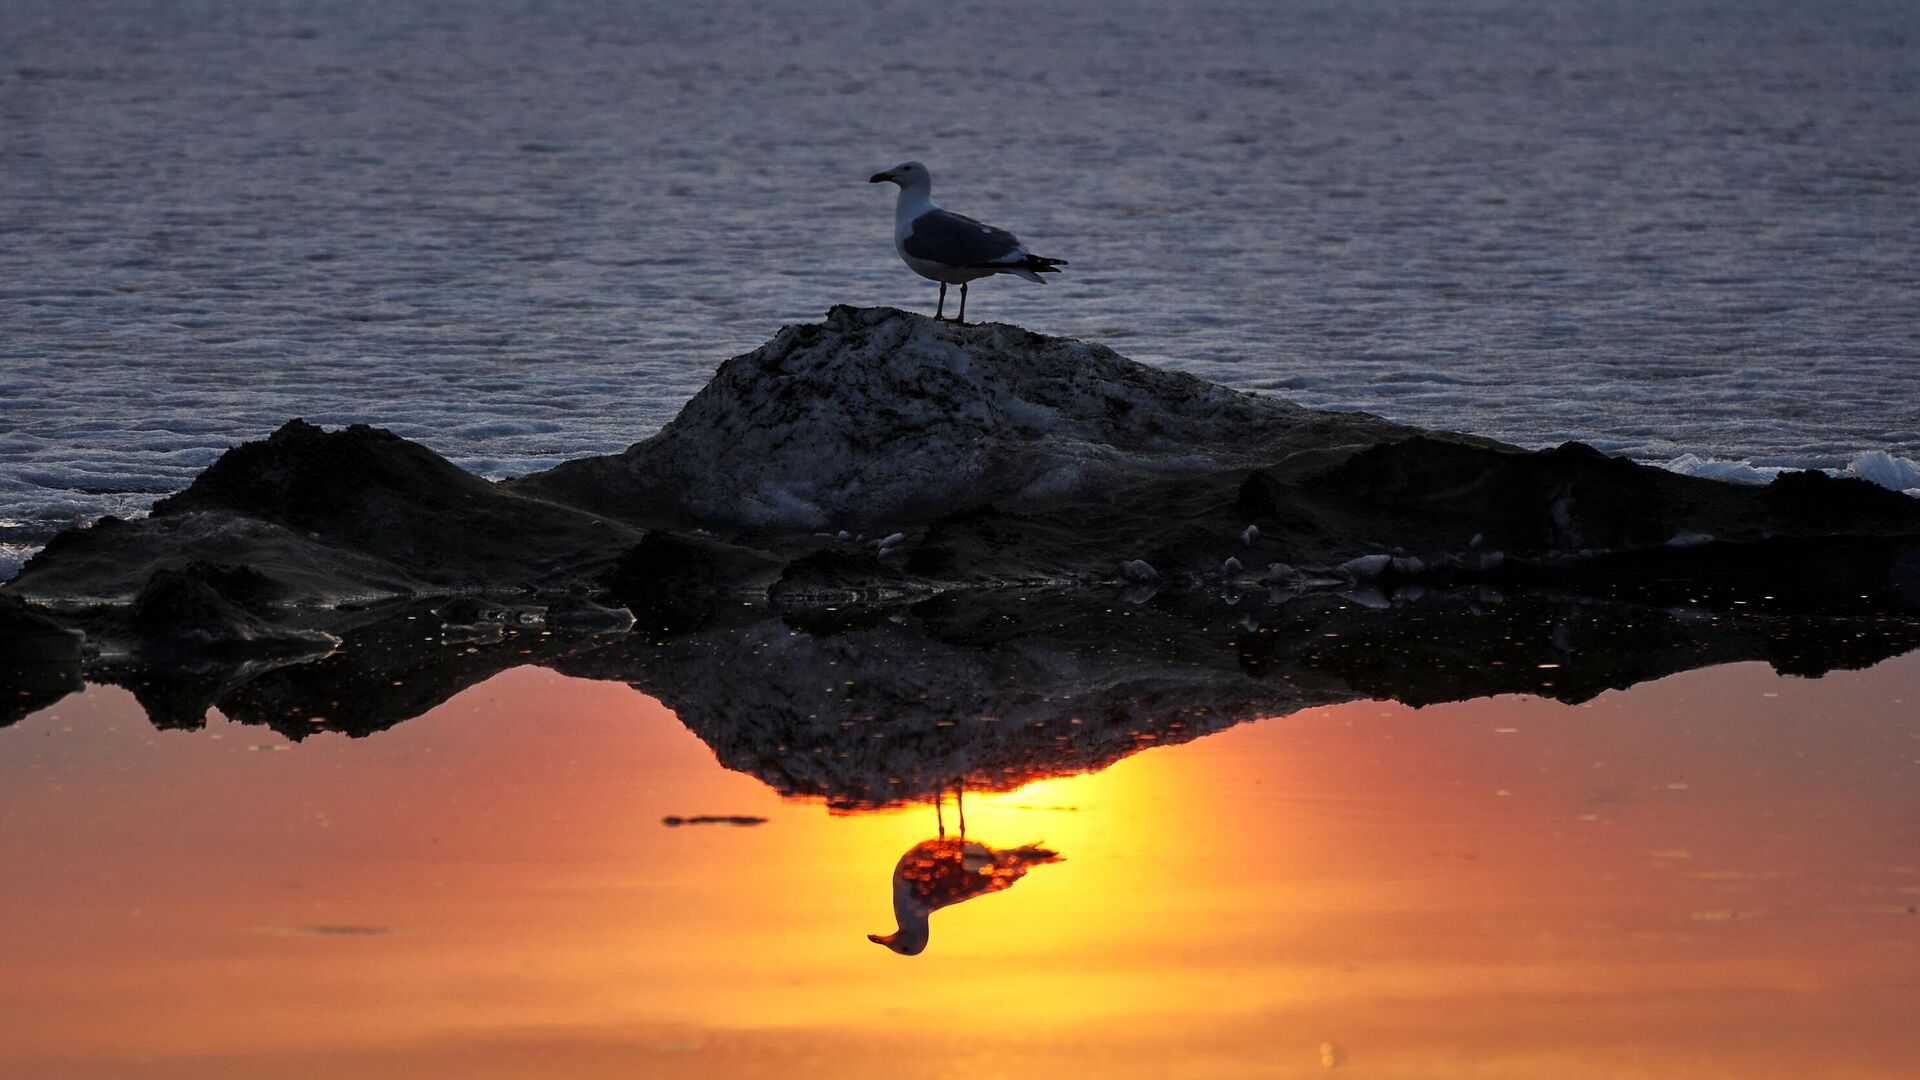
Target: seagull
[(940, 872), (937, 873), (949, 248)]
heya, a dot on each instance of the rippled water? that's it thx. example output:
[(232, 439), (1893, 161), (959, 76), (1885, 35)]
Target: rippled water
[(527, 231)]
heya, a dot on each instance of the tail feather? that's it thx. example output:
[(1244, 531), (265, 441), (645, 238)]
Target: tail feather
[(1034, 854), (1027, 267)]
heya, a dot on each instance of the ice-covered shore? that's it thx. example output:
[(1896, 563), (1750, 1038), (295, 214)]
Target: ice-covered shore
[(882, 455)]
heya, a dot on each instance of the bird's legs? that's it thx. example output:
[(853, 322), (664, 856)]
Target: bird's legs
[(959, 803), (963, 302), (941, 311)]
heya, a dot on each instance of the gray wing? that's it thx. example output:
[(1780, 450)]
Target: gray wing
[(955, 240)]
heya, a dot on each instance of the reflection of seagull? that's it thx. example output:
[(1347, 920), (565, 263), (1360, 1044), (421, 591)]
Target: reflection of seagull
[(936, 873), (949, 248)]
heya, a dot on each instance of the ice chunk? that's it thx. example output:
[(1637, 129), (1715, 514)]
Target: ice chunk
[(1880, 467), (1742, 472)]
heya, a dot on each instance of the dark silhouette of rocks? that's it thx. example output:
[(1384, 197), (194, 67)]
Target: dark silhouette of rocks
[(878, 418), (672, 579), (39, 660), (204, 608), (880, 456), (872, 707), (327, 518)]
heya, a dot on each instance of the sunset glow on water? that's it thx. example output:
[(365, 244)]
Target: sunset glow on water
[(1712, 875)]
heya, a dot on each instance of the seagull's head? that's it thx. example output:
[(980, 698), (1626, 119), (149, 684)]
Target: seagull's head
[(906, 174), (905, 942)]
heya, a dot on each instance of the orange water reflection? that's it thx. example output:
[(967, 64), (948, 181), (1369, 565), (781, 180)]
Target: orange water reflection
[(1713, 875)]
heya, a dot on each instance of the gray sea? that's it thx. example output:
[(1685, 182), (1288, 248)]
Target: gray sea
[(526, 230)]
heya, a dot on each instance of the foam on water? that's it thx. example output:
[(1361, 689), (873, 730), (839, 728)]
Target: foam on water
[(1874, 466), (522, 232)]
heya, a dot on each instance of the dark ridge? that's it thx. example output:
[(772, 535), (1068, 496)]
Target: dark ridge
[(987, 456)]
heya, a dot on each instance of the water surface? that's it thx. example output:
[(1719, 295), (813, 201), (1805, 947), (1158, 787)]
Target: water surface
[(1711, 875), (526, 231)]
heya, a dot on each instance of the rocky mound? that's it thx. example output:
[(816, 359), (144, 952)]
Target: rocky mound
[(882, 455), (320, 518), (879, 417)]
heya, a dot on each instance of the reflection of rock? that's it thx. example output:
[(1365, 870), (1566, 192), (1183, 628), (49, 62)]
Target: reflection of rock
[(39, 660), (869, 708), (992, 694), (1449, 648), (880, 713), (392, 667), (881, 456)]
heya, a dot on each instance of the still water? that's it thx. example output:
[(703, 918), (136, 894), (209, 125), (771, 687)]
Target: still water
[(1714, 874)]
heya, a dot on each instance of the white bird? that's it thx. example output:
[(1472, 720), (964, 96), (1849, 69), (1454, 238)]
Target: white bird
[(950, 248)]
